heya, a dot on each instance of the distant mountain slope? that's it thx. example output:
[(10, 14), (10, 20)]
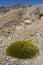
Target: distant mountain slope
[(19, 13), (3, 9)]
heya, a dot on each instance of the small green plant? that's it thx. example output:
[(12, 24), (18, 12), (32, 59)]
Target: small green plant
[(31, 35), (22, 49)]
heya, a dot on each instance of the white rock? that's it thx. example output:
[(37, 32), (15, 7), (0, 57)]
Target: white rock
[(28, 21)]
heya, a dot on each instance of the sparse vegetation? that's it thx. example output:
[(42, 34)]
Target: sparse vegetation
[(11, 28), (22, 49), (32, 34)]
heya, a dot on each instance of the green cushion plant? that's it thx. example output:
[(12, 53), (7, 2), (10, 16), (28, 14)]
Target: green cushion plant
[(22, 49)]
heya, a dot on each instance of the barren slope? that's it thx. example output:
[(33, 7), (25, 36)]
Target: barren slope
[(14, 19)]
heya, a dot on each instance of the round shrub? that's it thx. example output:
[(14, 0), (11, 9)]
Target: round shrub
[(22, 49)]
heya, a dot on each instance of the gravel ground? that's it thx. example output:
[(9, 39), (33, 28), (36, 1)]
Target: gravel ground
[(32, 32)]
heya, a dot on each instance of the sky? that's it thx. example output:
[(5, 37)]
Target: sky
[(14, 2)]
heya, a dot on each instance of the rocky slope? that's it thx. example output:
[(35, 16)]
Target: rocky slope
[(12, 27)]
